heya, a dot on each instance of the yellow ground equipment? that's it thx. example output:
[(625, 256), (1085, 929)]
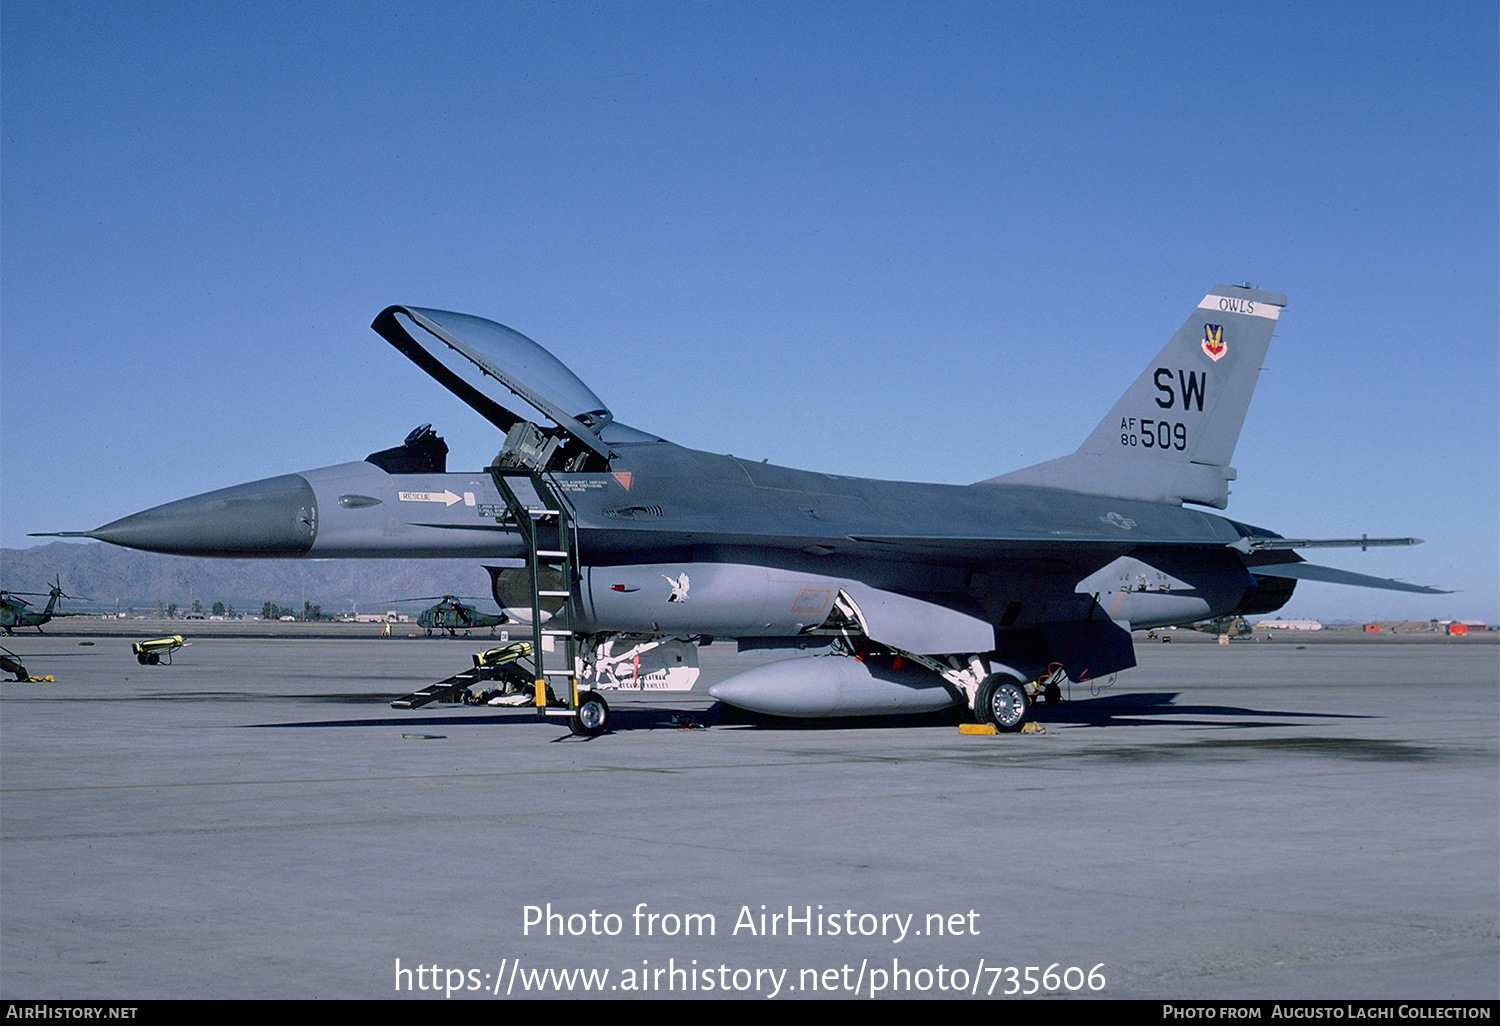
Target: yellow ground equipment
[(150, 651)]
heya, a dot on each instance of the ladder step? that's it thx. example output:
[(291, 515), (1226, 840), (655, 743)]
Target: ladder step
[(557, 633), (539, 513), (442, 691), (553, 594), (551, 554), (558, 673)]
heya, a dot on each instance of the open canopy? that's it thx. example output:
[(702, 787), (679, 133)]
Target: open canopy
[(498, 371)]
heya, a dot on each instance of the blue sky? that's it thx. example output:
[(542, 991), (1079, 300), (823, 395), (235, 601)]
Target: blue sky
[(918, 241)]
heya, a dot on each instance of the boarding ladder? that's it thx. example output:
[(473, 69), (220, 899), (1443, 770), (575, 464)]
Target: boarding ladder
[(551, 539)]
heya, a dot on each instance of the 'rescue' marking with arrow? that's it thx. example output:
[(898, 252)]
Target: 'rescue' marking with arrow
[(446, 497)]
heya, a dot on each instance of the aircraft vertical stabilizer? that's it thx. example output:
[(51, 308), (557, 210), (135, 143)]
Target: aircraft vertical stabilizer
[(1172, 434)]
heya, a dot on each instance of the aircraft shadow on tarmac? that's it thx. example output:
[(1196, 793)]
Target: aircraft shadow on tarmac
[(620, 718), (1161, 708), (1139, 709), (1129, 709)]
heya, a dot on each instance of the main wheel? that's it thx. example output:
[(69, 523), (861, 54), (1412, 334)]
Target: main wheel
[(592, 718), (1002, 701)]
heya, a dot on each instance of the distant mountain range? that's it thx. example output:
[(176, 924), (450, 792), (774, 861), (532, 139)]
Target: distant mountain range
[(114, 578)]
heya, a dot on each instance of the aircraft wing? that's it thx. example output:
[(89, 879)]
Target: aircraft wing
[(980, 552), (981, 548)]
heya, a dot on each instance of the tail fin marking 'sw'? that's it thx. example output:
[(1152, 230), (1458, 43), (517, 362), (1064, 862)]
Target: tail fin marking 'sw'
[(1172, 434)]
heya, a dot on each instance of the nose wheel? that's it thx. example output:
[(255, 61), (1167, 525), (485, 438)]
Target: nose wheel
[(592, 717)]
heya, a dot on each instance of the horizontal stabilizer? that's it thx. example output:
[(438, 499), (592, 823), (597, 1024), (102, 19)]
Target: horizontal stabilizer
[(1329, 575)]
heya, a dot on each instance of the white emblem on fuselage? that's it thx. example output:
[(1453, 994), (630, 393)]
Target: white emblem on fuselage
[(679, 587), (1114, 519)]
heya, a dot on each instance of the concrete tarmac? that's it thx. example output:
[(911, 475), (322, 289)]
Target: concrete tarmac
[(1261, 821)]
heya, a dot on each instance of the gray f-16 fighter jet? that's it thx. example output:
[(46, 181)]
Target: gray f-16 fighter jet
[(623, 551)]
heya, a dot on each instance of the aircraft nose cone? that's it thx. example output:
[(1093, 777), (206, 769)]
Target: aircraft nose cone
[(274, 517)]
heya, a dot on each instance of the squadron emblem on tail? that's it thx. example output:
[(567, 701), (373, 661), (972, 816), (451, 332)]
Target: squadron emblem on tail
[(1213, 341)]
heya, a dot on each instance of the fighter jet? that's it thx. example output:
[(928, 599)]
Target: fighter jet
[(892, 596)]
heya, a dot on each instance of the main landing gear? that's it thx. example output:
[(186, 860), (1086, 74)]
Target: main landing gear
[(1001, 701)]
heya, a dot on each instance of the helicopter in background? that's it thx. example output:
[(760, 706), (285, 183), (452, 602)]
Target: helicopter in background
[(451, 614), (1225, 627), (14, 613)]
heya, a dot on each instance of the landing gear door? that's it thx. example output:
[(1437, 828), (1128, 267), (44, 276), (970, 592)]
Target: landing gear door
[(625, 662)]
